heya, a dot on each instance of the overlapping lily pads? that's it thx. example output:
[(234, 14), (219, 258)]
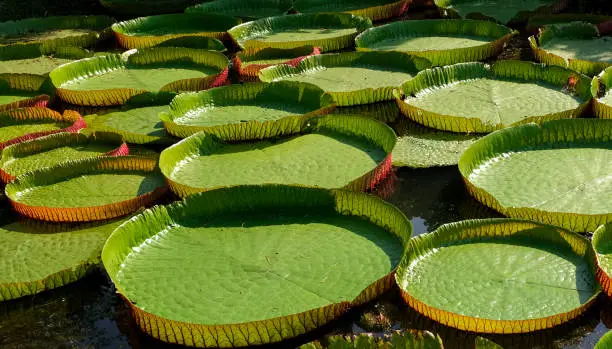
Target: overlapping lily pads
[(88, 189), (602, 243), (249, 65), (247, 112), (557, 173), (296, 261), (150, 31), (43, 65), (352, 78), (39, 256), (329, 151), (493, 9), (149, 7), (199, 42), (576, 45), (372, 9), (475, 97), (51, 150), (601, 89), (113, 79), (499, 275), (441, 41), (251, 9), (328, 31), (384, 111), (23, 90)]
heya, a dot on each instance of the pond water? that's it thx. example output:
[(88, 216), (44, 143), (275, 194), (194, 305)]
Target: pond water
[(88, 314)]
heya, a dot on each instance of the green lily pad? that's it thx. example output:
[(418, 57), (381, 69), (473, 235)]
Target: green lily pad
[(601, 89), (246, 112), (199, 42), (250, 64), (150, 31), (352, 78), (411, 339), (422, 147), (558, 173), (384, 111), (605, 342), (114, 79), (43, 65), (88, 189), (250, 9), (328, 31), (136, 125), (602, 243), (146, 7), (503, 12), (499, 275), (258, 250), (328, 151), (575, 45), (373, 9), (23, 90), (37, 256), (49, 151), (541, 20), (474, 97), (441, 41)]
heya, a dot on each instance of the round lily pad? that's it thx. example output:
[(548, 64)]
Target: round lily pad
[(328, 151), (373, 9), (52, 150), (135, 125), (441, 41), (352, 78), (328, 31), (246, 112), (475, 97), (23, 90), (575, 45), (150, 31), (249, 65), (148, 7), (602, 243), (557, 173), (113, 79), (38, 256), (250, 9), (87, 189), (23, 124), (251, 265), (601, 89), (493, 9), (499, 275)]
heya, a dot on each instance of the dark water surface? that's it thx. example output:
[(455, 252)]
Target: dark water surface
[(88, 314)]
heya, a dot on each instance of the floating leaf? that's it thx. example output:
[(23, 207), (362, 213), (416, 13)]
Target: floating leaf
[(384, 111), (251, 9), (43, 65), (150, 7), (23, 90), (499, 275), (199, 42), (286, 259), (492, 9), (249, 65), (602, 243), (557, 173), (541, 20), (601, 89), (373, 9)]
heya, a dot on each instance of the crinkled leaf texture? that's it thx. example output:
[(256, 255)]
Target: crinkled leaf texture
[(375, 10), (499, 275), (249, 65), (557, 173), (602, 243), (24, 90), (269, 248)]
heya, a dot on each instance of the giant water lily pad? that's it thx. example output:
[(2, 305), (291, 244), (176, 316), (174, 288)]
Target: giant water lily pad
[(576, 45), (43, 65), (557, 173), (113, 79), (23, 90), (87, 189), (51, 150), (328, 31), (372, 9), (136, 125), (251, 9), (501, 11), (441, 41), (37, 256), (285, 259), (352, 78), (601, 89), (150, 31), (384, 111), (602, 243), (146, 7), (474, 97), (250, 64), (329, 152), (499, 275), (246, 112)]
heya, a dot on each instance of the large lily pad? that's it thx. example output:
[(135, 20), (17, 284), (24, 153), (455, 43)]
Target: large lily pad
[(250, 9), (43, 65), (575, 45), (146, 7), (504, 11), (557, 173), (329, 152), (150, 31), (37, 256), (384, 111), (441, 41), (373, 9), (602, 243), (113, 79), (601, 89), (87, 189), (246, 112), (23, 124), (537, 21), (285, 259), (249, 65), (328, 31), (474, 97), (499, 275), (352, 78), (52, 150), (23, 90)]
